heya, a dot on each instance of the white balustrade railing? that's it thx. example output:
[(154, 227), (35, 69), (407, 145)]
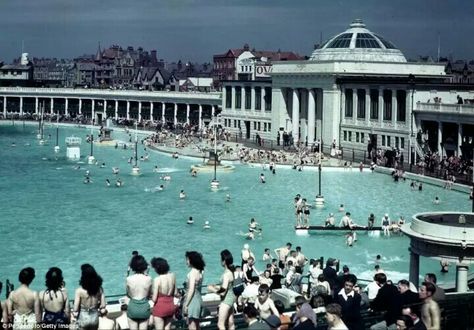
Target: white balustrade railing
[(447, 108)]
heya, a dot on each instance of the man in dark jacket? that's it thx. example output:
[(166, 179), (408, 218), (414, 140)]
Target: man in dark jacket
[(350, 304), (388, 299), (330, 274), (407, 297)]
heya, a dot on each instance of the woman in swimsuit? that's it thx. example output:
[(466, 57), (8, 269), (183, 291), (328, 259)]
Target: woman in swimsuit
[(23, 307), (89, 299), (226, 307), (163, 294), (54, 300), (193, 300), (138, 290)]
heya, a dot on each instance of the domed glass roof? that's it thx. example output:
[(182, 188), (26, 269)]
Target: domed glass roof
[(357, 44)]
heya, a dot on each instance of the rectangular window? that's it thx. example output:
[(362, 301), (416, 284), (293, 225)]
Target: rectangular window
[(228, 97), (396, 142), (361, 137), (345, 135), (254, 125), (268, 99), (387, 105), (350, 136), (258, 98), (402, 143), (348, 111), (374, 104), (258, 126), (269, 127), (388, 141), (238, 123), (361, 103), (401, 105), (248, 98), (383, 140), (235, 123), (238, 97), (264, 127), (357, 137)]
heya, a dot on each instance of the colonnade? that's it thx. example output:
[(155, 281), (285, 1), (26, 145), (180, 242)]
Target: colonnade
[(116, 108)]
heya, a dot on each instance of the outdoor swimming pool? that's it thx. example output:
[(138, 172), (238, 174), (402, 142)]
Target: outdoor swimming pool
[(48, 217)]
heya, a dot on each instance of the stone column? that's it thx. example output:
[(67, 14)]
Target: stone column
[(175, 115), (66, 106), (128, 110), (461, 277), (80, 106), (200, 116), (36, 103), (116, 109), (414, 267), (380, 105), (243, 96), (252, 98), (151, 111), (311, 115), (262, 95), (105, 109), (163, 106), (5, 107), (319, 115), (295, 116), (233, 99), (224, 97), (139, 111), (394, 107), (21, 106), (459, 139), (188, 108), (440, 137), (355, 104), (213, 111), (51, 106), (93, 111), (367, 105)]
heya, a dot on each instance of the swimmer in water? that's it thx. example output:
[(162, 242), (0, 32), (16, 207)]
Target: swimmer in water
[(436, 200), (161, 187), (182, 194), (166, 177), (190, 221), (107, 182), (87, 180), (102, 165), (87, 172), (156, 169), (206, 225), (227, 198), (349, 239), (341, 208), (13, 144), (193, 173), (262, 178), (119, 183)]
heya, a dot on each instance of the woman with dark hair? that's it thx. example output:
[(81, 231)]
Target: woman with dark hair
[(193, 301), (226, 307), (23, 307), (89, 299), (164, 286), (54, 300), (138, 290)]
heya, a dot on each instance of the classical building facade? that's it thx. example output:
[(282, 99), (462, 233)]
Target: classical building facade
[(357, 90)]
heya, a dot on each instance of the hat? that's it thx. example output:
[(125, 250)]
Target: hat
[(273, 321), (331, 214), (246, 246), (345, 268), (386, 215)]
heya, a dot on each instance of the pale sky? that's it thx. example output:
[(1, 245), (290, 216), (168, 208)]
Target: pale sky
[(195, 30)]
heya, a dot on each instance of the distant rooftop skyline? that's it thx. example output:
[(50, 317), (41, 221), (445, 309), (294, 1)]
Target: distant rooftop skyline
[(195, 30)]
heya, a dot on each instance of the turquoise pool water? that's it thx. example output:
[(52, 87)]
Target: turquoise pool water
[(48, 217)]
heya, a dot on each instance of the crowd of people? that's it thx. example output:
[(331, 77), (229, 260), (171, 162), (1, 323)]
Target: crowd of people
[(325, 295)]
